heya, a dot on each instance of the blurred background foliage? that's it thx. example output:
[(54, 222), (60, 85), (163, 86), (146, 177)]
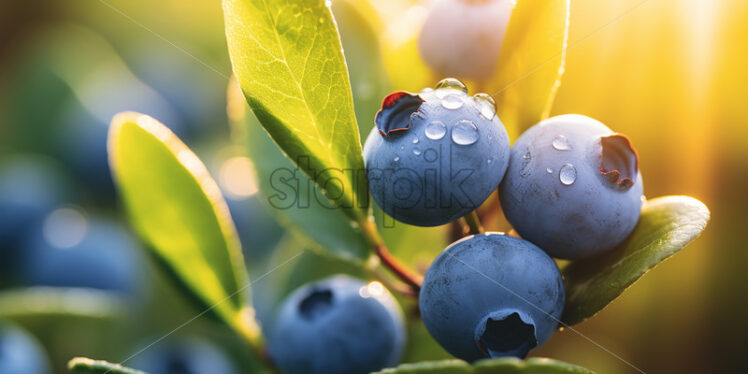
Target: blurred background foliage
[(671, 74)]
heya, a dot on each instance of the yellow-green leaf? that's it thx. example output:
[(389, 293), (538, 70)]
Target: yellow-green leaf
[(82, 365), (178, 210), (507, 365), (55, 303), (667, 224), (288, 60), (531, 62)]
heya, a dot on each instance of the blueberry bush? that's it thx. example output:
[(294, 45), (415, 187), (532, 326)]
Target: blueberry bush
[(344, 283)]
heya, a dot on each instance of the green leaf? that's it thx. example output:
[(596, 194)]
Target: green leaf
[(82, 365), (291, 196), (288, 59), (178, 210), (56, 302), (667, 224), (508, 365), (531, 62)]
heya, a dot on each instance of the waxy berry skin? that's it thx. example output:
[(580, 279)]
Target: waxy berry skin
[(491, 295), (339, 325), (573, 187), (435, 156)]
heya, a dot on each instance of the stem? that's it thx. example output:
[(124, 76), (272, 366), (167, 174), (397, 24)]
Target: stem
[(473, 223), (399, 269)]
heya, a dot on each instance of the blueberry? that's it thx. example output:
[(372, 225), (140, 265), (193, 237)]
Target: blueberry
[(84, 126), (435, 156), (183, 356), (30, 188), (338, 325), (491, 295), (20, 352), (463, 38), (573, 187), (70, 250)]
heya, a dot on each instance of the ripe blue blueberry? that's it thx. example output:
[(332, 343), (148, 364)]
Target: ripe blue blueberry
[(20, 352), (184, 356), (435, 156), (462, 38), (573, 187), (491, 295), (338, 325), (70, 250)]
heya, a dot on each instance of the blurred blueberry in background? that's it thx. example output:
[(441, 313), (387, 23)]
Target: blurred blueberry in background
[(185, 356), (69, 249), (30, 188), (20, 352), (84, 123)]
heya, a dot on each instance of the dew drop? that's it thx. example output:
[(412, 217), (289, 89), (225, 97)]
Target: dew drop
[(488, 161), (435, 130), (561, 143), (427, 89), (416, 151), (549, 170), (396, 159), (451, 83), (486, 105), (452, 102), (525, 170), (465, 133), (415, 140), (567, 175)]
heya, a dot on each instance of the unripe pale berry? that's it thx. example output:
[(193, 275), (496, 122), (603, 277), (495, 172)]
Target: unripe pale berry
[(463, 38)]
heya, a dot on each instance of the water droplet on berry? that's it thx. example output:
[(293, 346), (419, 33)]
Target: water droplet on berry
[(415, 116), (452, 102), (415, 140), (465, 133), (561, 143), (486, 105), (488, 161), (416, 151), (567, 175), (451, 83), (396, 159), (435, 130), (525, 170), (549, 170)]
